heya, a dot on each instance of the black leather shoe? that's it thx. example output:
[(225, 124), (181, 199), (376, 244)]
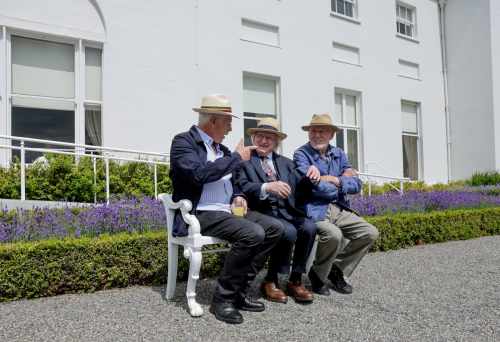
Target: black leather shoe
[(248, 304), (339, 284), (317, 285), (226, 312)]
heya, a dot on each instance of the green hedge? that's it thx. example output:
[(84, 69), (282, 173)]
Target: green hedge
[(52, 267)]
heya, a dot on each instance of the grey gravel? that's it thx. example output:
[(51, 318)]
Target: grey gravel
[(441, 292)]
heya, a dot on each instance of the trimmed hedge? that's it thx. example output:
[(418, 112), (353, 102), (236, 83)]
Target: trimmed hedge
[(52, 267)]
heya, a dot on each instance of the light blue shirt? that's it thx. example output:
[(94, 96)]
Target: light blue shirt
[(215, 196)]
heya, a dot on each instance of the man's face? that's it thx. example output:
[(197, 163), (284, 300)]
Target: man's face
[(221, 127), (320, 136), (265, 142)]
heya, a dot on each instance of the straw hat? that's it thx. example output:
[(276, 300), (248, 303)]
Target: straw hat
[(268, 125), (215, 104), (320, 120)]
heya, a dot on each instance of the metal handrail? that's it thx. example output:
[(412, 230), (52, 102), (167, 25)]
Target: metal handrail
[(401, 180), (106, 151)]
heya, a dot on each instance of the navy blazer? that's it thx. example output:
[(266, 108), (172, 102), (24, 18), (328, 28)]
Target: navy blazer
[(250, 176), (190, 170)]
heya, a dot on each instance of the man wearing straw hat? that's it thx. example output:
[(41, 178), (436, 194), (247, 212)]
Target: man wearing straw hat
[(201, 171), (270, 182), (327, 204)]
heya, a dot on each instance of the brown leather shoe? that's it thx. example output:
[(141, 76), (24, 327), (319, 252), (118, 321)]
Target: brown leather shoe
[(298, 292), (273, 293)]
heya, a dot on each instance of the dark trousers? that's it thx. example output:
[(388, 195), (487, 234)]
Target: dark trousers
[(298, 231), (252, 238)]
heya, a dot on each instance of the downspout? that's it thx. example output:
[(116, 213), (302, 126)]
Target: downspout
[(444, 64)]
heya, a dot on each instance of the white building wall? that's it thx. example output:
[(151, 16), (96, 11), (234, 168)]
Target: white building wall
[(469, 49), (160, 57), (495, 60)]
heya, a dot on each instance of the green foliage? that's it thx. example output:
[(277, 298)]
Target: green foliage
[(52, 267), (484, 178), (404, 230), (61, 179), (378, 189)]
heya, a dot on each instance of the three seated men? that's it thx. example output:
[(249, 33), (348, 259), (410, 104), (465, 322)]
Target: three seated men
[(283, 205)]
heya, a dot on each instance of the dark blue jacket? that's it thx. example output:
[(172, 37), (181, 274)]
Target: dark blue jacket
[(250, 176), (190, 170)]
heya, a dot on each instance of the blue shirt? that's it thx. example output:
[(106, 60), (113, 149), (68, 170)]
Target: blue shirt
[(333, 163), (215, 195)]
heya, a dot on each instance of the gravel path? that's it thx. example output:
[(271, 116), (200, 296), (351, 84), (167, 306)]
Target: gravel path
[(441, 292)]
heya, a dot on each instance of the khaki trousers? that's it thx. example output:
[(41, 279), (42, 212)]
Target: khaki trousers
[(333, 248)]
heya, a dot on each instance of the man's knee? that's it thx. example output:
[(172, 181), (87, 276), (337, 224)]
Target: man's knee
[(372, 233), (328, 232), (254, 234)]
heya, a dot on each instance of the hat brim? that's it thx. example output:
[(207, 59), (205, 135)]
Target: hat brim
[(308, 127), (215, 112), (280, 135)]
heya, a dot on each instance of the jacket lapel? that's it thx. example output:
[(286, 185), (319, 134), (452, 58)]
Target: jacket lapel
[(280, 168), (255, 161)]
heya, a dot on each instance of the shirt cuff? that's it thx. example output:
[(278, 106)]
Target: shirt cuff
[(263, 192)]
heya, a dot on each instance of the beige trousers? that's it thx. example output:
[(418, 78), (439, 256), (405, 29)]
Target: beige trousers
[(333, 248)]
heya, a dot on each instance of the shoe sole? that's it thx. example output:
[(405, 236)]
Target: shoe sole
[(251, 310), (224, 320)]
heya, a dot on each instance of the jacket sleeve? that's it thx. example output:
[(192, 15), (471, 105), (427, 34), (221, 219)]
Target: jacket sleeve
[(302, 163), (348, 185), (185, 159), (243, 183)]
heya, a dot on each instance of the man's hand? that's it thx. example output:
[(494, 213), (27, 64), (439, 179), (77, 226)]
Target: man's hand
[(331, 179), (350, 172), (279, 188), (245, 152), (239, 201), (313, 174)]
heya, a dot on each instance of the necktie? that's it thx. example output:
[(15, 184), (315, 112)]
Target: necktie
[(268, 170)]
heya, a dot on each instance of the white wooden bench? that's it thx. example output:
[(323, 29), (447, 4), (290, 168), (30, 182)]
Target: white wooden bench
[(192, 244)]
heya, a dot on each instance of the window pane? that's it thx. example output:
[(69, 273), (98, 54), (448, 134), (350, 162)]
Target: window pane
[(409, 112), (93, 131), (348, 9), (401, 28), (259, 95), (45, 124), (350, 110), (352, 148), (340, 7), (42, 68), (410, 157), (248, 123), (93, 74), (409, 15), (337, 113), (339, 139)]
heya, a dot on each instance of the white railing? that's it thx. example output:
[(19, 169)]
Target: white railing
[(370, 176), (78, 150)]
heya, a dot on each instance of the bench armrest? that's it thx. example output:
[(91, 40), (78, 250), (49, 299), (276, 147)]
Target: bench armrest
[(185, 207)]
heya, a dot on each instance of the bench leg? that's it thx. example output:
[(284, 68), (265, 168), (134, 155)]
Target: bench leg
[(310, 260), (194, 256), (173, 251)]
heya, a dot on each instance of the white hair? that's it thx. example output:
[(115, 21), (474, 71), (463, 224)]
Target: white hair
[(203, 119)]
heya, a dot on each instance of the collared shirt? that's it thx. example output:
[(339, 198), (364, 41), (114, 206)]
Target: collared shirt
[(269, 160), (215, 196), (334, 162)]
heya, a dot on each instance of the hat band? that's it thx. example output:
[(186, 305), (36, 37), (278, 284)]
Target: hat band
[(222, 109), (267, 127)]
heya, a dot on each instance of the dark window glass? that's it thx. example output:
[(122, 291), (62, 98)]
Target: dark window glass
[(47, 124)]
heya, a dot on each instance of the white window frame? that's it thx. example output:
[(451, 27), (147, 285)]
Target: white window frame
[(354, 4), (346, 127), (418, 135), (412, 24), (277, 95), (78, 100)]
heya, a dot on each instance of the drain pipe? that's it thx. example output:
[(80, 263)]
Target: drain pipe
[(444, 63)]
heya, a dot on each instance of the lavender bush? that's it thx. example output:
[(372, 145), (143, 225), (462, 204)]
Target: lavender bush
[(416, 201), (132, 215)]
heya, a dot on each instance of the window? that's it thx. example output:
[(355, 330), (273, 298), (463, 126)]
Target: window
[(48, 97), (405, 20), (259, 100), (411, 140), (345, 7), (346, 117)]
